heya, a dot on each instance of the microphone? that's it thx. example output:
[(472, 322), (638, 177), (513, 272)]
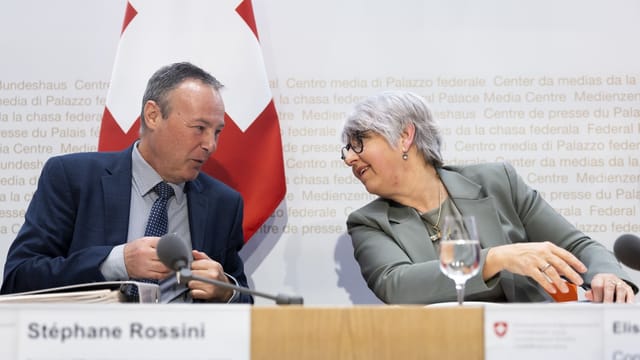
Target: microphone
[(627, 250), (174, 254)]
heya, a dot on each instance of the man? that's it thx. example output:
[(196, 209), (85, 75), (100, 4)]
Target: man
[(88, 217)]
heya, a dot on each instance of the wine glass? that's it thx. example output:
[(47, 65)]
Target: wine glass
[(459, 251)]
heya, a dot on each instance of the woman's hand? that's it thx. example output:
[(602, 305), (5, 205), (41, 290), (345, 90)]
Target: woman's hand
[(544, 262), (608, 288)]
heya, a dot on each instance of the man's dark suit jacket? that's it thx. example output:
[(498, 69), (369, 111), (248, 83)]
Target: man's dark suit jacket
[(80, 211)]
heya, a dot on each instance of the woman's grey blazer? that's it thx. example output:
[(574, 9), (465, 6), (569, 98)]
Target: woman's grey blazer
[(400, 264)]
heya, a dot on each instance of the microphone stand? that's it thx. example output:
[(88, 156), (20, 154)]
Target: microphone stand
[(184, 275)]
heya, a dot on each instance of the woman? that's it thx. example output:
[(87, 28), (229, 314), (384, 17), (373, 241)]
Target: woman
[(528, 250)]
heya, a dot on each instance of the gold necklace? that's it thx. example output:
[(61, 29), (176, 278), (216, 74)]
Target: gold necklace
[(436, 228)]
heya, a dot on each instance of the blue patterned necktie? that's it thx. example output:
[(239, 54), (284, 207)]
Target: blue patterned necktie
[(158, 218), (156, 225)]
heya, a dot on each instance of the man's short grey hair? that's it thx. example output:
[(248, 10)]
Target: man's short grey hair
[(167, 78), (389, 113)]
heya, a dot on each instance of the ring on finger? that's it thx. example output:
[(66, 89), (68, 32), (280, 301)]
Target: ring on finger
[(545, 267), (616, 283)]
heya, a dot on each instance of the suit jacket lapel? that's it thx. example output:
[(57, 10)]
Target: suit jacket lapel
[(469, 199), (116, 189), (410, 233), (198, 213)]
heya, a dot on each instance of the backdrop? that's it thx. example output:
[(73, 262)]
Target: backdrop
[(552, 87)]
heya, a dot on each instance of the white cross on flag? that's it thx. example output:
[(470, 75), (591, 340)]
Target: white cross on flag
[(221, 37)]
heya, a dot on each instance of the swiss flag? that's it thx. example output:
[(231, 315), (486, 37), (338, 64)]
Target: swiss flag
[(221, 37)]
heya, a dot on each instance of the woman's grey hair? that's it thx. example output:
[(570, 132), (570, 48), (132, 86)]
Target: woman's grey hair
[(389, 113), (167, 78)]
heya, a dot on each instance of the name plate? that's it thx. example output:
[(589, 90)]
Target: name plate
[(621, 332), (543, 331), (126, 331)]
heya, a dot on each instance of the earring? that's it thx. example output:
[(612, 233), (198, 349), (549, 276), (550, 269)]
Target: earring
[(405, 156)]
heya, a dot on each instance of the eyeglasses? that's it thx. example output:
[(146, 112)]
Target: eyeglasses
[(354, 144)]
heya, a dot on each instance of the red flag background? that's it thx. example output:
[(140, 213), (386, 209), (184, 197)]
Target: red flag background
[(221, 37)]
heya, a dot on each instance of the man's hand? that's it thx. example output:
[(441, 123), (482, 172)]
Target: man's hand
[(141, 259), (204, 266)]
